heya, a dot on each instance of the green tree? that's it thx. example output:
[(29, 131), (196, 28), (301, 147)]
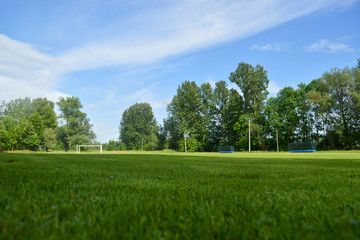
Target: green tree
[(273, 120), (355, 95), (27, 136), (208, 137), (339, 85), (222, 94), (232, 112), (287, 109), (213, 105), (12, 133), (46, 110), (77, 127), (37, 122), (18, 108), (3, 135), (253, 83), (49, 139), (305, 116), (192, 145), (137, 126), (186, 111), (320, 103), (171, 131)]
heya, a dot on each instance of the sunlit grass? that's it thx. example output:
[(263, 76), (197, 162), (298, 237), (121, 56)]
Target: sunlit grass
[(158, 195)]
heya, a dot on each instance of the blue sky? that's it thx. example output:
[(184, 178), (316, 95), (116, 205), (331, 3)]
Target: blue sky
[(112, 54)]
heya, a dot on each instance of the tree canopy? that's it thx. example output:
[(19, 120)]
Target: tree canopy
[(138, 127), (31, 124), (324, 111)]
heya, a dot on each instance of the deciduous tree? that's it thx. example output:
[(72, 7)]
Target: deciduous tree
[(77, 127), (137, 126)]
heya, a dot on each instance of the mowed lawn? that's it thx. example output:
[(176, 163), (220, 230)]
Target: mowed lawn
[(180, 196)]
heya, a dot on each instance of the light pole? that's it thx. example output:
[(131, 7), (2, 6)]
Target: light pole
[(185, 136), (277, 140), (249, 119)]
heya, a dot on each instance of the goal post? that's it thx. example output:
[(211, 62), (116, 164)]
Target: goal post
[(78, 147)]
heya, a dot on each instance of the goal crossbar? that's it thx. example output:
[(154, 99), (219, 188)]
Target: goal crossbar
[(78, 147)]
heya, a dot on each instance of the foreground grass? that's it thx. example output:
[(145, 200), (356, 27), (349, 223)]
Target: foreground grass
[(180, 196)]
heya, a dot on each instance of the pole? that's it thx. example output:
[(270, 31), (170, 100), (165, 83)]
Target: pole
[(185, 142), (277, 140), (249, 119), (142, 144), (249, 136)]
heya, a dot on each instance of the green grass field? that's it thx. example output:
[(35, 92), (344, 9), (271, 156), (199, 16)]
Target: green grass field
[(180, 196)]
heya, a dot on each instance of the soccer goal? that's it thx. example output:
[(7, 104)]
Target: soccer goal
[(226, 149), (78, 147), (302, 147)]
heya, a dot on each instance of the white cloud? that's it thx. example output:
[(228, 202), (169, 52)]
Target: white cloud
[(24, 71), (211, 80), (104, 132), (184, 26), (273, 87), (141, 38), (156, 33), (324, 45), (272, 47), (148, 96)]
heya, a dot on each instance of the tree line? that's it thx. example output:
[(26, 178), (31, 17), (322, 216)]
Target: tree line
[(324, 111), (32, 124)]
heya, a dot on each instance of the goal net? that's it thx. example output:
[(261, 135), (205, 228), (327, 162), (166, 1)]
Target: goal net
[(226, 149), (302, 147), (78, 147)]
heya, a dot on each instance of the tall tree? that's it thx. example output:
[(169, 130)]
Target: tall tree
[(45, 108), (339, 85), (186, 109), (3, 135), (49, 139), (77, 128), (137, 126), (18, 108), (355, 94), (273, 120), (172, 131), (221, 98), (28, 138), (253, 83), (208, 116), (305, 116), (12, 132), (37, 123), (232, 113)]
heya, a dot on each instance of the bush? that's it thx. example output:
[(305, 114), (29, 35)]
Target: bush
[(192, 145)]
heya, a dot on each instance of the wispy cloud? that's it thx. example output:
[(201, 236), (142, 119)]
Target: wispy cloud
[(184, 26), (24, 71), (326, 46), (211, 80), (271, 47), (143, 37), (148, 95), (273, 87)]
